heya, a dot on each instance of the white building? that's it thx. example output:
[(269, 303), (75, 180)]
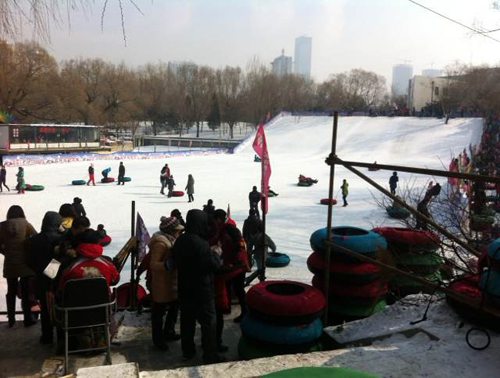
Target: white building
[(282, 65), (401, 75), (424, 90), (303, 54), (432, 72)]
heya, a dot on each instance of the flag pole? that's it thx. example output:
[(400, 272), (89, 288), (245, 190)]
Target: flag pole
[(133, 262)]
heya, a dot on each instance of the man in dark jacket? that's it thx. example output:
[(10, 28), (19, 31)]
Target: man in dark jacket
[(121, 174), (196, 264), (251, 225), (40, 253), (254, 198), (393, 182)]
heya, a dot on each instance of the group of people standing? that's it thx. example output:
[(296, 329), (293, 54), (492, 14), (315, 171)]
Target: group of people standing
[(167, 181), (65, 237)]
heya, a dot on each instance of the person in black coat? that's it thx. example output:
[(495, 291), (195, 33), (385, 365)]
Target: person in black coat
[(121, 174), (251, 225), (40, 252), (78, 207), (254, 198), (393, 182), (176, 213), (196, 263)]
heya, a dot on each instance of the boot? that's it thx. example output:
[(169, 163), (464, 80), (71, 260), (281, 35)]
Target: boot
[(11, 309)]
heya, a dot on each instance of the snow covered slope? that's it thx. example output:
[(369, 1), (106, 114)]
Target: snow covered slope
[(295, 148)]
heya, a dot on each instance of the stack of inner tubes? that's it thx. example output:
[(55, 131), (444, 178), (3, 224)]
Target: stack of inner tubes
[(283, 318), (356, 288), (414, 251)]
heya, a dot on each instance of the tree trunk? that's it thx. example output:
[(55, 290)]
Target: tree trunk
[(197, 129)]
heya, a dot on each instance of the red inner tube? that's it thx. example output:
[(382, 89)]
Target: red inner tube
[(177, 193), (467, 285), (407, 236), (325, 201), (285, 298), (105, 240), (317, 263), (107, 179), (371, 290)]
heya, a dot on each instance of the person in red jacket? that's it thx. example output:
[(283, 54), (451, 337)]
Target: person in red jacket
[(90, 262)]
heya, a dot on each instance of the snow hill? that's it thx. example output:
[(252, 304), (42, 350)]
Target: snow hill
[(296, 146)]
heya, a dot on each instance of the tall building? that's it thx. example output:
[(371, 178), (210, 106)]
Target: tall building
[(432, 72), (401, 75), (282, 65), (303, 53)]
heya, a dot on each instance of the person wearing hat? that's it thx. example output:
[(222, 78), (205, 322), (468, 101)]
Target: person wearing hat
[(164, 282), (78, 207)]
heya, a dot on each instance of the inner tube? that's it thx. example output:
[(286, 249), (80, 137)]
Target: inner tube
[(249, 349), (272, 194), (397, 212), (354, 273), (305, 183), (427, 263), (289, 302), (35, 188), (408, 236), (493, 249), (360, 294), (358, 311), (78, 182), (406, 286), (277, 260), (490, 282), (177, 193), (372, 169), (127, 179), (106, 240), (326, 201), (356, 239), (281, 334), (319, 372), (107, 180), (123, 295)]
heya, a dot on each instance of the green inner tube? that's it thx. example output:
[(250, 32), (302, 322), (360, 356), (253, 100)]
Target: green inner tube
[(407, 282), (127, 179), (304, 183), (35, 188), (427, 259), (319, 372), (483, 219), (357, 310), (250, 349), (78, 182), (277, 260)]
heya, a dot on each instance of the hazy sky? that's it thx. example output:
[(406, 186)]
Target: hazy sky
[(369, 34)]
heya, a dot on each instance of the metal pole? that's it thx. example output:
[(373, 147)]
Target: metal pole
[(411, 209), (329, 220), (264, 241), (133, 256), (424, 171)]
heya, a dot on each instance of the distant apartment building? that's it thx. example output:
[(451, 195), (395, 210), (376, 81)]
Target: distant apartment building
[(432, 72), (425, 90), (282, 65), (401, 75), (303, 54)]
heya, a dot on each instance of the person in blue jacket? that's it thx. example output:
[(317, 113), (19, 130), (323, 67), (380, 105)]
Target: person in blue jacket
[(105, 172)]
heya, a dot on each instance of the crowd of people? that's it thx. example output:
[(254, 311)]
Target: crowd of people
[(192, 267)]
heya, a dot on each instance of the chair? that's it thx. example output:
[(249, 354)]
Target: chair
[(85, 304)]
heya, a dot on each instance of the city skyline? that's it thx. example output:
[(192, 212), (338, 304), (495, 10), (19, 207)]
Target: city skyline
[(346, 34)]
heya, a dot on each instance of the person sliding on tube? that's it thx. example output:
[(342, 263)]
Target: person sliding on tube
[(106, 172)]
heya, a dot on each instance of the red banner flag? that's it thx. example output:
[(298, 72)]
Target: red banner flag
[(260, 147)]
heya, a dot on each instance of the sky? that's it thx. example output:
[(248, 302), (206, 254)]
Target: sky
[(369, 34)]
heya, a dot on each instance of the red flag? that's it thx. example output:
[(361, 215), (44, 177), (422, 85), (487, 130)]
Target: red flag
[(260, 147)]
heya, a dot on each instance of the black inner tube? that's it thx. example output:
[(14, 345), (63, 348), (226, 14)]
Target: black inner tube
[(481, 330), (285, 289)]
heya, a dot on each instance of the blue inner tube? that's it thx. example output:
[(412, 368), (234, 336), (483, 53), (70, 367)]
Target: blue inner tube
[(277, 260), (353, 238), (278, 334), (249, 349), (78, 182)]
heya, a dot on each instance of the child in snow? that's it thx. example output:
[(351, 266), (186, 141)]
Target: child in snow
[(91, 175), (105, 172), (171, 184), (345, 192), (21, 184)]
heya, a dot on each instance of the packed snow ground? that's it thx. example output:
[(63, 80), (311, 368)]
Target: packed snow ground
[(294, 147)]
